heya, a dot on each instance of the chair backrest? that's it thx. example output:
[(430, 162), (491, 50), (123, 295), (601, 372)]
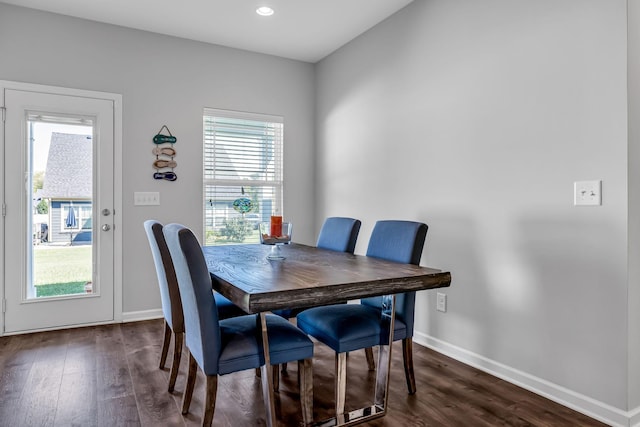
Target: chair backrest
[(339, 234), (169, 292), (202, 329), (399, 241)]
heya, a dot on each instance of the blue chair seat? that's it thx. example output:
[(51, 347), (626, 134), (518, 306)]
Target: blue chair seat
[(241, 350), (287, 313), (227, 309), (344, 332)]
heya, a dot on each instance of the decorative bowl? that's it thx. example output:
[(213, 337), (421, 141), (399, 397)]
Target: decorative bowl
[(275, 241), (267, 239)]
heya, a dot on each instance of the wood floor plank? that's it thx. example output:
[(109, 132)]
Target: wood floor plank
[(113, 379), (108, 376), (116, 401), (13, 380), (155, 404), (118, 411), (82, 351), (39, 400), (77, 403), (18, 350)]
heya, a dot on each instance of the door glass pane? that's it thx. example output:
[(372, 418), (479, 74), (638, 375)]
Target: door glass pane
[(60, 213)]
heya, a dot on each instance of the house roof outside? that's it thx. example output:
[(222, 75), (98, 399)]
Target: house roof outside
[(69, 167)]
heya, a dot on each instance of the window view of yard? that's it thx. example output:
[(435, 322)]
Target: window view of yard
[(233, 231), (61, 270), (62, 208)]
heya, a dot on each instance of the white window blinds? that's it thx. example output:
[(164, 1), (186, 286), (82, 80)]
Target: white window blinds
[(242, 159)]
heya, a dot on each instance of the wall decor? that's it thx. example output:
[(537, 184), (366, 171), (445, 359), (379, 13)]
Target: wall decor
[(164, 155)]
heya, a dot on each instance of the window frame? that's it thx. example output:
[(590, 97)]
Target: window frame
[(274, 184)]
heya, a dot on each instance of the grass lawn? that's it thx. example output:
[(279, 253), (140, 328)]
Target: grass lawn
[(61, 270), (216, 239)]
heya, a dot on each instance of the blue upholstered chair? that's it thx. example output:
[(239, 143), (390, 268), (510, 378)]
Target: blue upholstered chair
[(170, 299), (351, 327), (221, 347), (337, 234)]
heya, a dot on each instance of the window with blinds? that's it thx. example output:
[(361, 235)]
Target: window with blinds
[(242, 174)]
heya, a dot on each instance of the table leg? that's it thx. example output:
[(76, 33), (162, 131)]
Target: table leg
[(267, 373), (384, 352)]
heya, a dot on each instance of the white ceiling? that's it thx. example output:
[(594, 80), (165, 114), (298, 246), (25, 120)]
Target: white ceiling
[(300, 29)]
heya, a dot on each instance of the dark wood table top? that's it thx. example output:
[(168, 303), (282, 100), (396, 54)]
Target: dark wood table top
[(309, 276)]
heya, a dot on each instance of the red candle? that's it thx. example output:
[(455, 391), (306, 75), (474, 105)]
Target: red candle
[(276, 226)]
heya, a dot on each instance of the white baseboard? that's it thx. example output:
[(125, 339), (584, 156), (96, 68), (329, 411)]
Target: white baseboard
[(634, 417), (569, 398), (136, 316)]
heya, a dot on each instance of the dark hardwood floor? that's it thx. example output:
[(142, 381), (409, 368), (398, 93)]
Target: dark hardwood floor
[(109, 376)]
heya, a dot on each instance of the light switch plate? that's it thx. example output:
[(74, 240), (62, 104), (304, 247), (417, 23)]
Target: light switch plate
[(146, 198), (441, 302), (587, 193)]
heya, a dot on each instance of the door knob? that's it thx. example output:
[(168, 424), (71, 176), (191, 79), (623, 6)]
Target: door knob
[(106, 227)]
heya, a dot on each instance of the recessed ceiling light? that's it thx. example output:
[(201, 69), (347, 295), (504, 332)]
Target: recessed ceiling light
[(264, 11)]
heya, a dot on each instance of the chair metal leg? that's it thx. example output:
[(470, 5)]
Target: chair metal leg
[(305, 373), (407, 356), (341, 382), (191, 381), (370, 360), (210, 400), (175, 366), (165, 344)]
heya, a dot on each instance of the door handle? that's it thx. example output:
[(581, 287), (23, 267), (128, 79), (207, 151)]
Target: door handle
[(106, 227)]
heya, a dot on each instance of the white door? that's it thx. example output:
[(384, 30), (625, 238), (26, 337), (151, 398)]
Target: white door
[(58, 209)]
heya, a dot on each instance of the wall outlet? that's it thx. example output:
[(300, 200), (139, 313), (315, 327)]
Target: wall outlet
[(146, 198), (441, 302), (587, 193)]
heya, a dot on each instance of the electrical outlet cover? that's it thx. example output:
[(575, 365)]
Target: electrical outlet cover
[(587, 193)]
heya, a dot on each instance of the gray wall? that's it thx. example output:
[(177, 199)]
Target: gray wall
[(166, 80), (473, 116), (476, 117)]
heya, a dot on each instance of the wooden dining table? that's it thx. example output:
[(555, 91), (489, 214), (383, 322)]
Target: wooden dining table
[(309, 277)]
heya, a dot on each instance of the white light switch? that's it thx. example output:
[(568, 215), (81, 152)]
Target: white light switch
[(146, 198), (441, 302), (587, 193)]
